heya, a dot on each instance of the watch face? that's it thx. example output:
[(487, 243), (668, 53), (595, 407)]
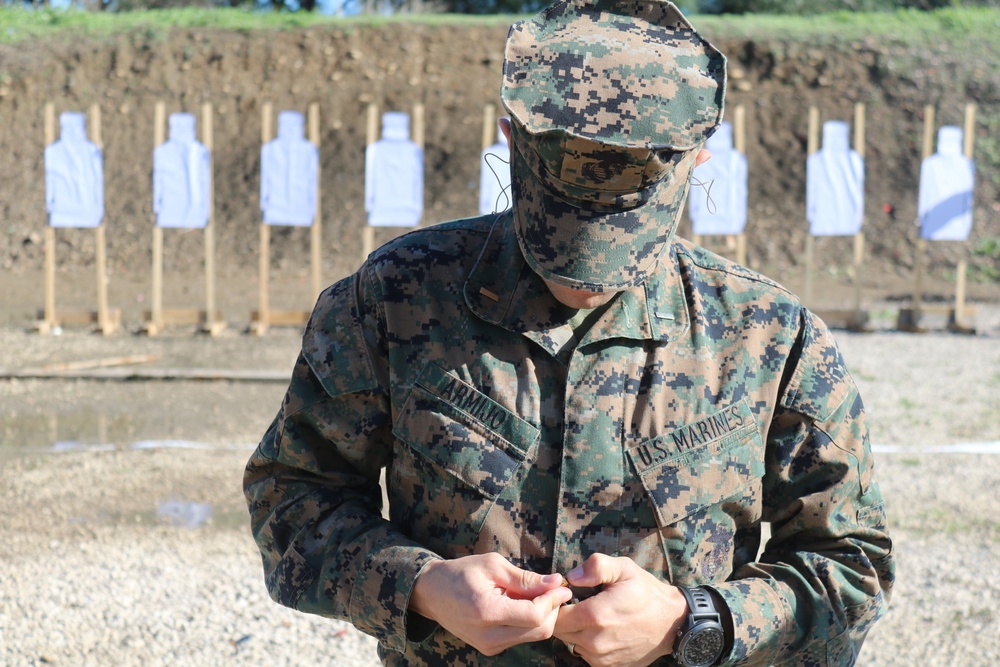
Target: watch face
[(703, 647)]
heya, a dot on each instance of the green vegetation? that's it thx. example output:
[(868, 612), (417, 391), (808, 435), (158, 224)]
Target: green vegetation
[(985, 264), (18, 24), (988, 147), (824, 6), (953, 25)]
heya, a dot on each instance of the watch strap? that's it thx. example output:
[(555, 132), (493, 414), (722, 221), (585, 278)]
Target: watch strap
[(702, 607), (701, 611)]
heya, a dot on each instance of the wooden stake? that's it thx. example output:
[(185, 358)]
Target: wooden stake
[(969, 134), (489, 125), (212, 325), (859, 238), (960, 277), (155, 324), (68, 366), (418, 124), (156, 298), (812, 145), (740, 144), (926, 151), (418, 134), (961, 271), (316, 235), (104, 321), (368, 233), (50, 239), (263, 314)]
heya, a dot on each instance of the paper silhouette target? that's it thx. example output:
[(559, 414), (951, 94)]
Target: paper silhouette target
[(835, 188), (946, 185), (394, 175), (182, 177), (720, 207), (289, 166), (74, 176)]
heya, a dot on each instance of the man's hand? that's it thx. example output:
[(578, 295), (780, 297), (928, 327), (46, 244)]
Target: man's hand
[(489, 603), (631, 623)]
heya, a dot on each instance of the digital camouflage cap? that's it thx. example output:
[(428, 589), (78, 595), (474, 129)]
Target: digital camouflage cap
[(609, 102)]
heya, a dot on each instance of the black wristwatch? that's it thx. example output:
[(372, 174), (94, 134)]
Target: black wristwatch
[(701, 641)]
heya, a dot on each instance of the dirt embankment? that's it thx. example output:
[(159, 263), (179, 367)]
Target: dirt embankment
[(454, 71)]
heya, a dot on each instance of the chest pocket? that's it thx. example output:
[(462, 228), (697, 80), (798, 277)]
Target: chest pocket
[(701, 464), (457, 451), (702, 481)]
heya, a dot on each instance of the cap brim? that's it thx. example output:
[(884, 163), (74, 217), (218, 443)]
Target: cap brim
[(595, 248)]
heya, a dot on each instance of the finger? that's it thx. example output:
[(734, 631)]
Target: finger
[(540, 611), (570, 623), (576, 621), (502, 637), (597, 570), (524, 584), (553, 600)]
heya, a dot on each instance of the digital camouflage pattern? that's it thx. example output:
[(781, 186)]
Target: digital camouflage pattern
[(697, 406), (620, 72), (702, 401), (610, 102)]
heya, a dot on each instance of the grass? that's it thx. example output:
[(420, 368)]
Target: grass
[(18, 24), (985, 265), (954, 25)]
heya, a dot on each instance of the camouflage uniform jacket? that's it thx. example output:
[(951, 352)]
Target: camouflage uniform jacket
[(700, 404)]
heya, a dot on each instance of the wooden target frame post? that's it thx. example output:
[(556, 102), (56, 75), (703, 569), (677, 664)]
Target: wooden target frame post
[(734, 243), (265, 317), (961, 317), (107, 320), (208, 320), (372, 135), (489, 125), (855, 319)]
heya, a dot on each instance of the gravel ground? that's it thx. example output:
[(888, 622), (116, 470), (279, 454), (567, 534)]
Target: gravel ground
[(124, 538)]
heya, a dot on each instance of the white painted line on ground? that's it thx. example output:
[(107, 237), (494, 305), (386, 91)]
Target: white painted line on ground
[(959, 448), (182, 444)]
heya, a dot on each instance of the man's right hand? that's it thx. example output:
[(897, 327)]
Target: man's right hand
[(489, 603)]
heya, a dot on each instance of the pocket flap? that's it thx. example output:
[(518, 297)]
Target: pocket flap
[(463, 431), (682, 481)]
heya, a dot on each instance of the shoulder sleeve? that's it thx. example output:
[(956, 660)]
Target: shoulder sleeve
[(827, 571), (334, 344), (312, 485)]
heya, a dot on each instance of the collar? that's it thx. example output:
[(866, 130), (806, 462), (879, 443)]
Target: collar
[(503, 290)]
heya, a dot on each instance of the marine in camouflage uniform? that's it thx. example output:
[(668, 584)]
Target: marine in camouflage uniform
[(663, 427)]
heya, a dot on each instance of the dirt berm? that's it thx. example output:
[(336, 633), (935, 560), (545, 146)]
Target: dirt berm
[(453, 68)]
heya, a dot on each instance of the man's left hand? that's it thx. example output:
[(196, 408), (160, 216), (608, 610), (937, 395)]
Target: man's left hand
[(631, 623)]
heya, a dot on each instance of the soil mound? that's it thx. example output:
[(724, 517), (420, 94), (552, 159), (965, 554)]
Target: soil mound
[(453, 70)]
